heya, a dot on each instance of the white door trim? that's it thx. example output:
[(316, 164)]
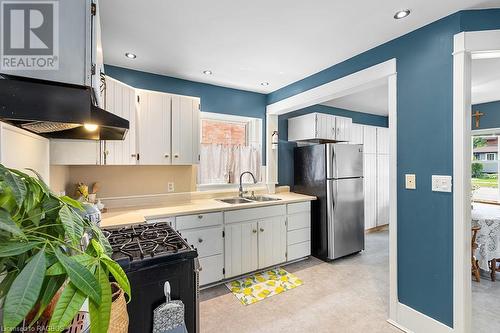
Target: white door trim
[(467, 45), (341, 87)]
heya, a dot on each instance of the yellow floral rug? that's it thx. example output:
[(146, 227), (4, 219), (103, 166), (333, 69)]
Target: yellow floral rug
[(259, 286)]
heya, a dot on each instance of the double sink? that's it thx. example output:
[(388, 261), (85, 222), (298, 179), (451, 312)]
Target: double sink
[(241, 200)]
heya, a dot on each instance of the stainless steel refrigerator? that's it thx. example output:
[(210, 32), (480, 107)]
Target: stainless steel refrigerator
[(334, 174)]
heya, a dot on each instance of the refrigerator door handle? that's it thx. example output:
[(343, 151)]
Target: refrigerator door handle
[(331, 194)]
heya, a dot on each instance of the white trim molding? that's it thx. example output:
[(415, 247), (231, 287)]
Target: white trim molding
[(467, 45), (364, 79)]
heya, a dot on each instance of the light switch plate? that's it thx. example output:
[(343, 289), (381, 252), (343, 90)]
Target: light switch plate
[(441, 183), (411, 182)]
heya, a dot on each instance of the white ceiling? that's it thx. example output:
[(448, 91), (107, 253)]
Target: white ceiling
[(374, 100), (485, 80), (245, 43)]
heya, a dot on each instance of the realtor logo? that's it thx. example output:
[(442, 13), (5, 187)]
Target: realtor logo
[(30, 35)]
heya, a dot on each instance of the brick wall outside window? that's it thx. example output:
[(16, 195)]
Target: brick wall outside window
[(220, 132)]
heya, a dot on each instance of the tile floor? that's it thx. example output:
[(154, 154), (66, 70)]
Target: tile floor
[(348, 295)]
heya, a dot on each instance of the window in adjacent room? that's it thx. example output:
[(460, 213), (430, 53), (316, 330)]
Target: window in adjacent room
[(229, 146)]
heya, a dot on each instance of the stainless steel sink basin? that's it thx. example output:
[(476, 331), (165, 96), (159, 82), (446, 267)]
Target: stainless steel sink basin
[(262, 198), (234, 201)]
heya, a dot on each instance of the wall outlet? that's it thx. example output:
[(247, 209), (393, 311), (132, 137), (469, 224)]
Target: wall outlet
[(441, 183), (411, 182), (171, 187)]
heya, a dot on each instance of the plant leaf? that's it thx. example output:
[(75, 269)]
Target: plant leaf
[(24, 291), (15, 183), (102, 240), (118, 274), (100, 314), (67, 307), (11, 248), (71, 224), (7, 224), (49, 290), (80, 276), (72, 202), (83, 259)]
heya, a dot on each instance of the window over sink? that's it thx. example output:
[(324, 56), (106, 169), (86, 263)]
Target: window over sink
[(229, 145)]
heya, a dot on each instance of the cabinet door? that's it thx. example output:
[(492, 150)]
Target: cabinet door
[(382, 189), (370, 139), (382, 140), (272, 241), (370, 188), (121, 100), (325, 126), (185, 130), (343, 128), (356, 134), (240, 248), (154, 128)]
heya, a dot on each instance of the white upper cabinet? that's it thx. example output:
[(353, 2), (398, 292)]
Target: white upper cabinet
[(382, 140), (20, 149), (154, 127), (356, 134), (120, 99), (185, 130), (74, 152), (370, 139), (319, 126)]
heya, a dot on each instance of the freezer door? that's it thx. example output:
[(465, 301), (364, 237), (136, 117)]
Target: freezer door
[(346, 234), (344, 161)]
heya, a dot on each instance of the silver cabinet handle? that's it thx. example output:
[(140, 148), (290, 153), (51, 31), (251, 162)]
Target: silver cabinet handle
[(176, 155), (200, 240), (261, 229), (167, 155), (254, 231), (133, 155), (200, 216)]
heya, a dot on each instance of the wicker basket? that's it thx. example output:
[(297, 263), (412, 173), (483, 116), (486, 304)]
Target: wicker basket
[(118, 322)]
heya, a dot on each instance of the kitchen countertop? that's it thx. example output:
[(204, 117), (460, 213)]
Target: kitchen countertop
[(121, 217)]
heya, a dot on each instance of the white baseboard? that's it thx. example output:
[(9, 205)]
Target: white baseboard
[(393, 323), (412, 321)]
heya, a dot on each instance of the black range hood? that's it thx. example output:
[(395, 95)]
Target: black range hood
[(57, 110)]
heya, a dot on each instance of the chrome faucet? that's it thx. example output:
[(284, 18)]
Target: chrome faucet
[(241, 192)]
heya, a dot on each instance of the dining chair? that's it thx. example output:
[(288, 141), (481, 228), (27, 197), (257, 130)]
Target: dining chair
[(474, 261)]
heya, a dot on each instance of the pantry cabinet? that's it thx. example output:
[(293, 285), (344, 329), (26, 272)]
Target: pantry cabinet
[(319, 126)]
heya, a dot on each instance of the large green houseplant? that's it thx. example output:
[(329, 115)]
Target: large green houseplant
[(42, 264)]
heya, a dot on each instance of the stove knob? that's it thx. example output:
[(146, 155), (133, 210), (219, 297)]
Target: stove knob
[(200, 240)]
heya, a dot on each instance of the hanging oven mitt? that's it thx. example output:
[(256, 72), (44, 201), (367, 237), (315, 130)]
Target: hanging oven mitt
[(169, 317)]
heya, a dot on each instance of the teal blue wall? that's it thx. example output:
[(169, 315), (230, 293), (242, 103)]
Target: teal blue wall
[(491, 118), (213, 98), (285, 148), (425, 145)]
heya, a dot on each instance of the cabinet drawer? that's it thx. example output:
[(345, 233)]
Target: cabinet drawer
[(211, 269), (254, 213), (198, 221), (207, 241), (299, 207), (299, 236), (299, 250), (299, 221)]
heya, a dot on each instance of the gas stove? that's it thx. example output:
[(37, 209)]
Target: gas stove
[(150, 255), (145, 242)]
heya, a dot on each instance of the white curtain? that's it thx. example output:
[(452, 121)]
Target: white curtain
[(223, 164)]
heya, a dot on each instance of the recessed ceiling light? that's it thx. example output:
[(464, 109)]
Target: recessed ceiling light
[(207, 72), (264, 84), (130, 55), (401, 14)]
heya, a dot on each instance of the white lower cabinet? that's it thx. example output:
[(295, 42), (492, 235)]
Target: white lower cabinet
[(298, 230), (272, 241), (240, 248), (205, 233)]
